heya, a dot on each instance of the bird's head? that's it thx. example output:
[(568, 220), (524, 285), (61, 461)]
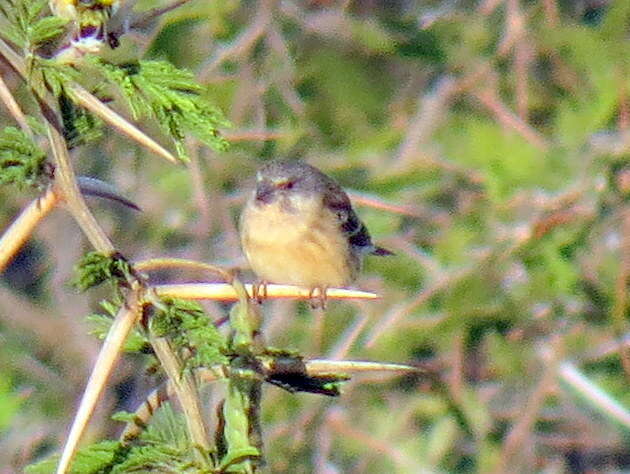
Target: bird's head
[(288, 182)]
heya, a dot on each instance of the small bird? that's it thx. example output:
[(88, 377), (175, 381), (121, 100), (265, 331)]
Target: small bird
[(298, 228)]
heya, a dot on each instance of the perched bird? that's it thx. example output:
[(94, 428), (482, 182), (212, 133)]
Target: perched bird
[(298, 228)]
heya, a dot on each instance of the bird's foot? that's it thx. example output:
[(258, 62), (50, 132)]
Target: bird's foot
[(318, 297), (259, 291)]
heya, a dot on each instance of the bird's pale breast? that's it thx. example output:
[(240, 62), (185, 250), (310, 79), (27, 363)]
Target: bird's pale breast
[(304, 247)]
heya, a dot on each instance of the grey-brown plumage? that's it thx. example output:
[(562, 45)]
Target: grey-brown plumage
[(298, 227)]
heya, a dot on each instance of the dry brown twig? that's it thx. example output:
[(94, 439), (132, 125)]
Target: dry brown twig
[(87, 100), (521, 428), (23, 226), (94, 105), (243, 44), (225, 292), (338, 423), (109, 354), (185, 387), (489, 98), (13, 107), (431, 109)]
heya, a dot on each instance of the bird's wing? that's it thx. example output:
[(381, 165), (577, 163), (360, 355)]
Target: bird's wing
[(338, 202), (358, 236)]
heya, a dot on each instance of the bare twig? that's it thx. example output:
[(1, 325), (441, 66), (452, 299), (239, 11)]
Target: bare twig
[(550, 8), (107, 357), (244, 42), (572, 376), (347, 339), (22, 227), (400, 311), (487, 7), (514, 27), (431, 109), (14, 59), (155, 399), (185, 387), (508, 119), (337, 421), (225, 292), (65, 179), (204, 224), (142, 21), (91, 103), (162, 263), (521, 429), (325, 366), (375, 202), (68, 189), (13, 107)]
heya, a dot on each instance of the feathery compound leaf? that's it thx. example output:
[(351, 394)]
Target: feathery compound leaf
[(46, 29), (92, 459), (171, 96), (79, 125), (50, 75), (96, 268), (101, 323), (163, 447), (26, 27), (190, 328), (21, 161)]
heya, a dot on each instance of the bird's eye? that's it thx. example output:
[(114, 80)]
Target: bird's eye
[(287, 185)]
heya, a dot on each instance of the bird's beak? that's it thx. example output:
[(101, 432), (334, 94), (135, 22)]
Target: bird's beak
[(264, 192)]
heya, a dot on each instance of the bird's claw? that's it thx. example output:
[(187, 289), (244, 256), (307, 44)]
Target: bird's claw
[(318, 297), (259, 291)]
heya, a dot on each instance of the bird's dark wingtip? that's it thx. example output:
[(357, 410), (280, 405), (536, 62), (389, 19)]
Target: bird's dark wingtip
[(382, 252)]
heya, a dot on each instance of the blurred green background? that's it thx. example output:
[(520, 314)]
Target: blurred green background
[(486, 143)]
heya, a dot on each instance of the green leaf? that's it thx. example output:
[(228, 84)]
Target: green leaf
[(101, 323), (237, 456), (171, 96), (240, 412), (89, 460), (508, 162), (80, 126), (192, 331), (50, 75), (124, 416), (163, 447), (96, 268), (21, 160), (372, 35), (46, 29), (26, 27)]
